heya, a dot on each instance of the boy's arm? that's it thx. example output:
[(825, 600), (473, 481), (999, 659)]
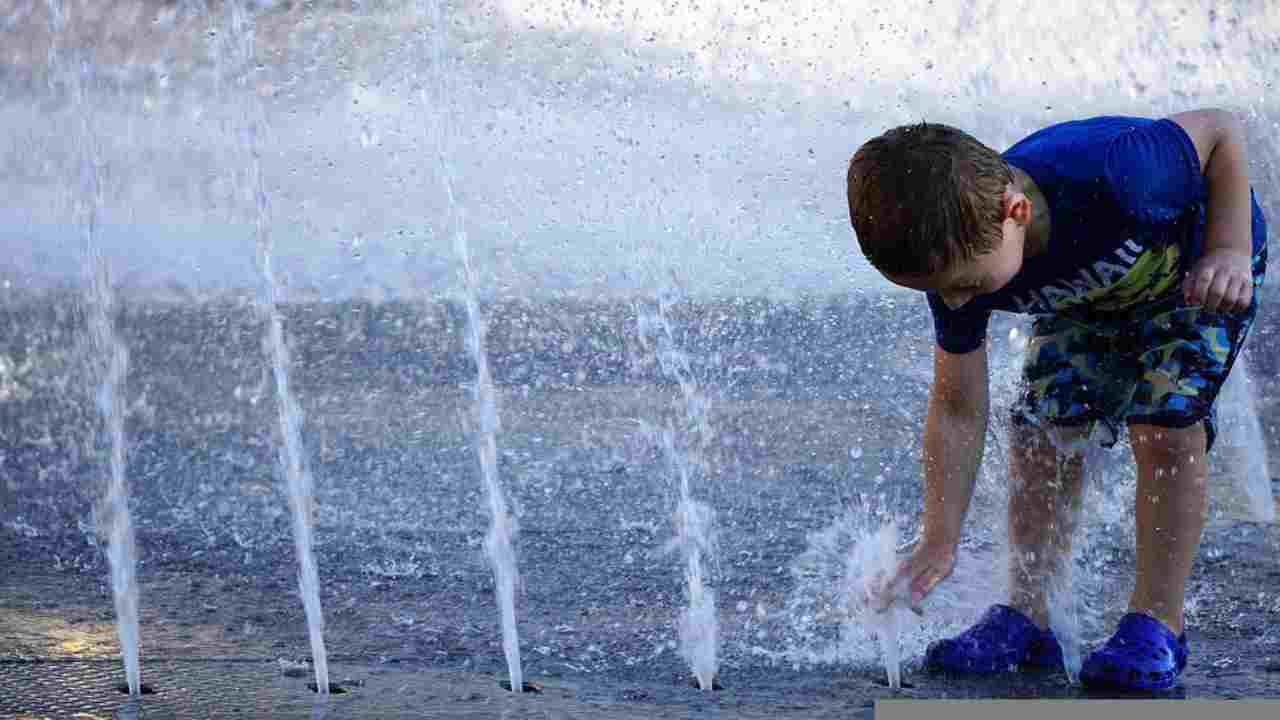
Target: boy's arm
[(1222, 278), (954, 434)]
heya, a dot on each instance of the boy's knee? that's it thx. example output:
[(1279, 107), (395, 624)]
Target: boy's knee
[(1157, 437), (1167, 445), (1033, 434)]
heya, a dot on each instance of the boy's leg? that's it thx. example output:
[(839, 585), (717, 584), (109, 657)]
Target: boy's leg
[(1066, 370), (1044, 502), (1069, 369), (1170, 507), (1044, 494), (1171, 425)]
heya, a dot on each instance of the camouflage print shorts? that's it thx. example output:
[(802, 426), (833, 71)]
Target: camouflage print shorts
[(1161, 368)]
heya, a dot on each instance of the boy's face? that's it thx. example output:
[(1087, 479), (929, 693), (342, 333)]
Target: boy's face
[(985, 273)]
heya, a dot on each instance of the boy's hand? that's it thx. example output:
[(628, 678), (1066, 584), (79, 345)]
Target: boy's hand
[(929, 564), (1222, 280)]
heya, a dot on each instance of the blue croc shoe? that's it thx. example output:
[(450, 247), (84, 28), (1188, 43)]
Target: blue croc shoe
[(1003, 639), (1143, 654)]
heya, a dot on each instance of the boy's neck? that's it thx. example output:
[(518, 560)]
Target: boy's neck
[(1037, 238)]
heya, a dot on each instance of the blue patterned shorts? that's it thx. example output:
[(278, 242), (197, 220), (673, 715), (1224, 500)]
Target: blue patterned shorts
[(1163, 367)]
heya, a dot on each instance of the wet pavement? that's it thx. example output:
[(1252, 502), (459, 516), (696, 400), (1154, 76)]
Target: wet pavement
[(257, 688), (812, 427)]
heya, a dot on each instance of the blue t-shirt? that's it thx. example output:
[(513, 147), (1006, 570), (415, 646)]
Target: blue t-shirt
[(1127, 212)]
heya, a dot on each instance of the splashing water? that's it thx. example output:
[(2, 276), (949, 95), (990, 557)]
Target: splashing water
[(121, 552), (872, 562), (1064, 619), (855, 552), (1242, 448), (114, 516), (1062, 599), (849, 560), (656, 87), (694, 521), (502, 529), (298, 478), (699, 624), (300, 485), (577, 123)]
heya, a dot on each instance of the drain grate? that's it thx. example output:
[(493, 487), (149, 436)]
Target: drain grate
[(181, 688)]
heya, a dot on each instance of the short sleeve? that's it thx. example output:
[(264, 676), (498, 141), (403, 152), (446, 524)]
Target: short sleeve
[(1154, 171), (958, 331)]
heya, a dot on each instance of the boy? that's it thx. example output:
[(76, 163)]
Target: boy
[(1138, 247)]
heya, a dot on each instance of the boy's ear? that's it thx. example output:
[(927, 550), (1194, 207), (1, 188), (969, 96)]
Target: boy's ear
[(1017, 207)]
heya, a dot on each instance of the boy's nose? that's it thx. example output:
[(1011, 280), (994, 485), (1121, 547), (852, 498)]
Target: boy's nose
[(955, 301)]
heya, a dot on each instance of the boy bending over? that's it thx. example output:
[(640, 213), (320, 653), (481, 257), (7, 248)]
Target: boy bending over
[(1139, 249)]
